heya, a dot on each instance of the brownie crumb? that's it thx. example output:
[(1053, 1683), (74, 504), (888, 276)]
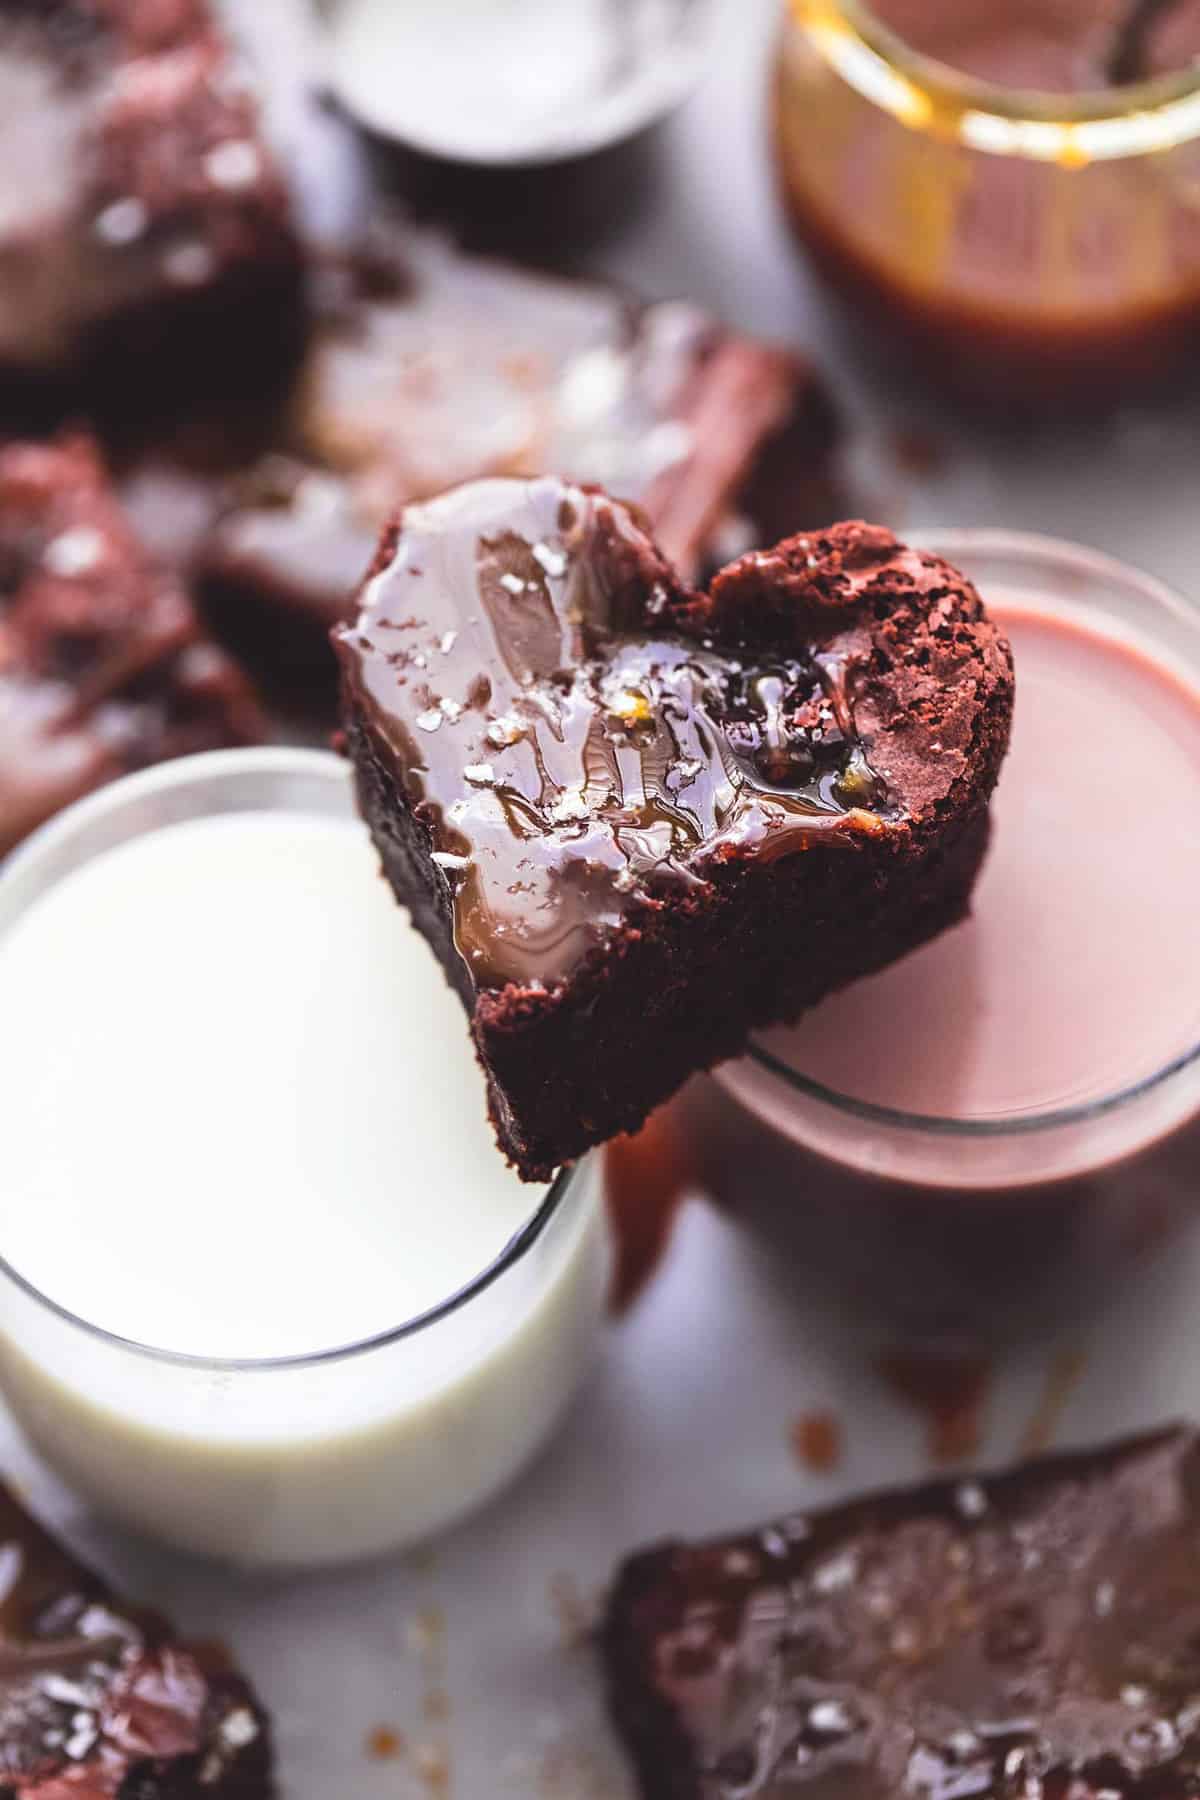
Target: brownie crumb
[(385, 1743), (817, 1441)]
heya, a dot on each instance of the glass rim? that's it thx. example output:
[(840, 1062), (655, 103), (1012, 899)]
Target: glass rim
[(201, 772), (1101, 124), (628, 107), (1037, 549)]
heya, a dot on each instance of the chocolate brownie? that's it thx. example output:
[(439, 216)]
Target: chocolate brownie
[(429, 367), (103, 668), (1031, 1636), (287, 549), (145, 242), (98, 1701), (636, 820)]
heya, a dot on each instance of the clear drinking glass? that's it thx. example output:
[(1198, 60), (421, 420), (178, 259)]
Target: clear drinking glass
[(512, 83), (1032, 250), (303, 1459), (974, 1223)]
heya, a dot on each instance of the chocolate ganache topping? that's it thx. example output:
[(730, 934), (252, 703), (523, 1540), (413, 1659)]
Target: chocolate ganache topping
[(1028, 1636), (576, 728)]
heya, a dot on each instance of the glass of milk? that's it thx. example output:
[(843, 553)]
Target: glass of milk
[(267, 1289), (504, 83)]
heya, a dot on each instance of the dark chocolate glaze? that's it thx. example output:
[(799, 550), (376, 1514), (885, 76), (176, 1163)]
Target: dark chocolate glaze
[(577, 727), (1031, 1636), (97, 1700)]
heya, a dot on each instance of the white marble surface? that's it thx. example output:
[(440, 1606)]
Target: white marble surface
[(685, 1425), (469, 1650)]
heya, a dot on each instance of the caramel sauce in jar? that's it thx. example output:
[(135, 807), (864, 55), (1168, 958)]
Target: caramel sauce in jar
[(987, 204)]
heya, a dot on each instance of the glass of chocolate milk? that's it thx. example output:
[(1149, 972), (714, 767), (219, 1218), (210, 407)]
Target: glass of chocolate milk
[(994, 1127), (1007, 191)]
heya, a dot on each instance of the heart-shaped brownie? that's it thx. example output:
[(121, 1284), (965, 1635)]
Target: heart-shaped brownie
[(637, 821)]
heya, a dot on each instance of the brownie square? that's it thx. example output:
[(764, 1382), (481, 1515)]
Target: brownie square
[(145, 243), (429, 367), (103, 667), (1031, 1636), (636, 820), (98, 1699)]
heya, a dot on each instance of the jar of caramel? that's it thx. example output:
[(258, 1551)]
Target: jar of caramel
[(1005, 191)]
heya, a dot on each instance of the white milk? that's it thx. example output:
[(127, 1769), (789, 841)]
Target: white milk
[(242, 1120)]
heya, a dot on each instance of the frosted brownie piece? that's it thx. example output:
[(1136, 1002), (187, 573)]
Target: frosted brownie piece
[(98, 1699), (637, 820), (103, 667), (1028, 1636), (145, 242), (429, 367)]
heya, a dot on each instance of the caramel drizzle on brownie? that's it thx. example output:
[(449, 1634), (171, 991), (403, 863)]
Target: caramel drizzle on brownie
[(574, 732)]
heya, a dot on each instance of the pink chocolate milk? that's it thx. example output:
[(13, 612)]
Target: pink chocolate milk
[(1048, 1043), (1078, 974)]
